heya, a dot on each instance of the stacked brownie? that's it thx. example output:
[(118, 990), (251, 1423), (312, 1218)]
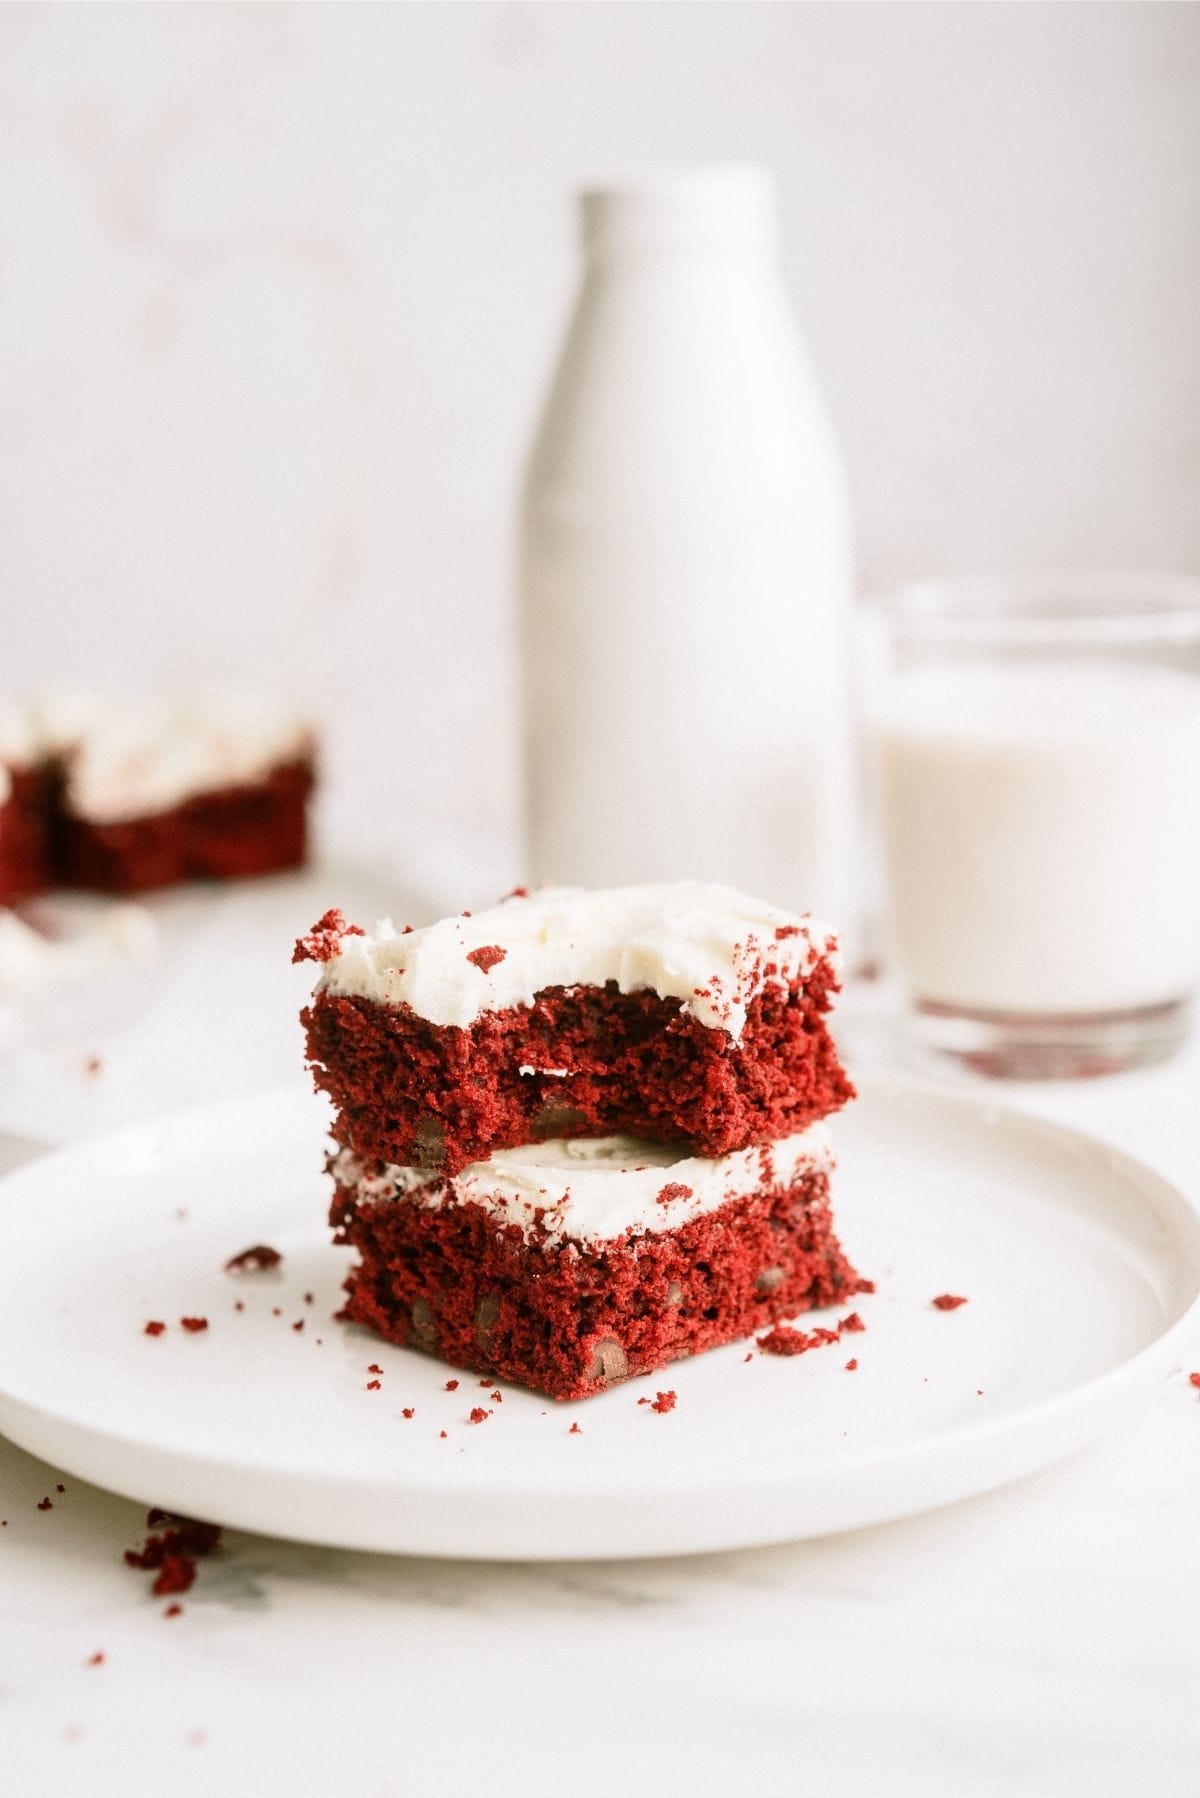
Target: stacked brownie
[(579, 1135)]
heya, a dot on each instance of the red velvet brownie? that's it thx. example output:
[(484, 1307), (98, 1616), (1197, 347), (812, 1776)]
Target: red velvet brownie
[(25, 866), (127, 797), (686, 1013), (568, 1265)]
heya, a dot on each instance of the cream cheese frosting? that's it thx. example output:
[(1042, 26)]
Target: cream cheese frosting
[(596, 1189), (710, 947), (131, 759)]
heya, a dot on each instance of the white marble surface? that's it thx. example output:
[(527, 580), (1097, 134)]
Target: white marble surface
[(1041, 1640)]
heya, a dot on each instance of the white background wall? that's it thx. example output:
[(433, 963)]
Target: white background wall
[(280, 286)]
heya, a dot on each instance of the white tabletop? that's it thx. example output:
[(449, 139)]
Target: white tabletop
[(1041, 1640)]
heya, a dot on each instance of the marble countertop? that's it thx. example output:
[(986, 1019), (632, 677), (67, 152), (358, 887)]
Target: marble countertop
[(1040, 1640)]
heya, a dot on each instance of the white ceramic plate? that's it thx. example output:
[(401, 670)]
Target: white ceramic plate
[(1079, 1266)]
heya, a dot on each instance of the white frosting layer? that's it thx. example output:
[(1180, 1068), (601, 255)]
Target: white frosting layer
[(595, 1189), (134, 759), (710, 947)]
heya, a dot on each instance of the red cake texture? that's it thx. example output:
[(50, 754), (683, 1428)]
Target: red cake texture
[(415, 1093), (25, 864), (570, 1318), (227, 834)]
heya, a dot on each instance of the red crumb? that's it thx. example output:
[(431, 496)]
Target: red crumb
[(452, 1385), (374, 1368), (673, 1190), (947, 1301), (849, 1326), (154, 1328), (663, 1402), (92, 1065), (574, 1430), (479, 1415), (784, 1340), (253, 1260), (749, 1357), (173, 1610), (785, 930), (442, 1434), (238, 1305), (324, 939), (374, 1385), (194, 1324), (1194, 1378), (275, 1311), (851, 1366), (485, 959), (498, 1396), (308, 1298), (45, 1504), (408, 1411), (299, 1324), (172, 1555), (60, 1488), (95, 1660), (865, 1286)]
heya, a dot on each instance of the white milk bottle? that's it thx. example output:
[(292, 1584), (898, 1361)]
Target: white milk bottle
[(685, 565)]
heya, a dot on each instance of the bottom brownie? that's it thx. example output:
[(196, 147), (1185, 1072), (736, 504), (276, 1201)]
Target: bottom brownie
[(569, 1317)]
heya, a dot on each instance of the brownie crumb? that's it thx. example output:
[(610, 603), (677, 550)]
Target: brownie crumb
[(154, 1328), (324, 940), (452, 1386), (374, 1368), (172, 1554), (479, 1415), (784, 1340), (497, 1396), (674, 1189), (45, 1504), (374, 1385), (173, 1610), (442, 1435), (299, 1324), (95, 1660), (60, 1488), (194, 1324), (92, 1065), (663, 1402), (408, 1411), (486, 958), (947, 1301), (574, 1430), (851, 1325), (1194, 1379), (308, 1298), (852, 1366), (783, 931), (255, 1260)]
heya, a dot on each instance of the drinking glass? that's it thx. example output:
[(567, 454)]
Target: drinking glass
[(1036, 757)]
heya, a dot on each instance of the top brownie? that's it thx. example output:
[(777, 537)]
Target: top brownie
[(687, 1013)]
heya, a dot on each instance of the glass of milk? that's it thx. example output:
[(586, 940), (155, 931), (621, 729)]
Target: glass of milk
[(1036, 759)]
